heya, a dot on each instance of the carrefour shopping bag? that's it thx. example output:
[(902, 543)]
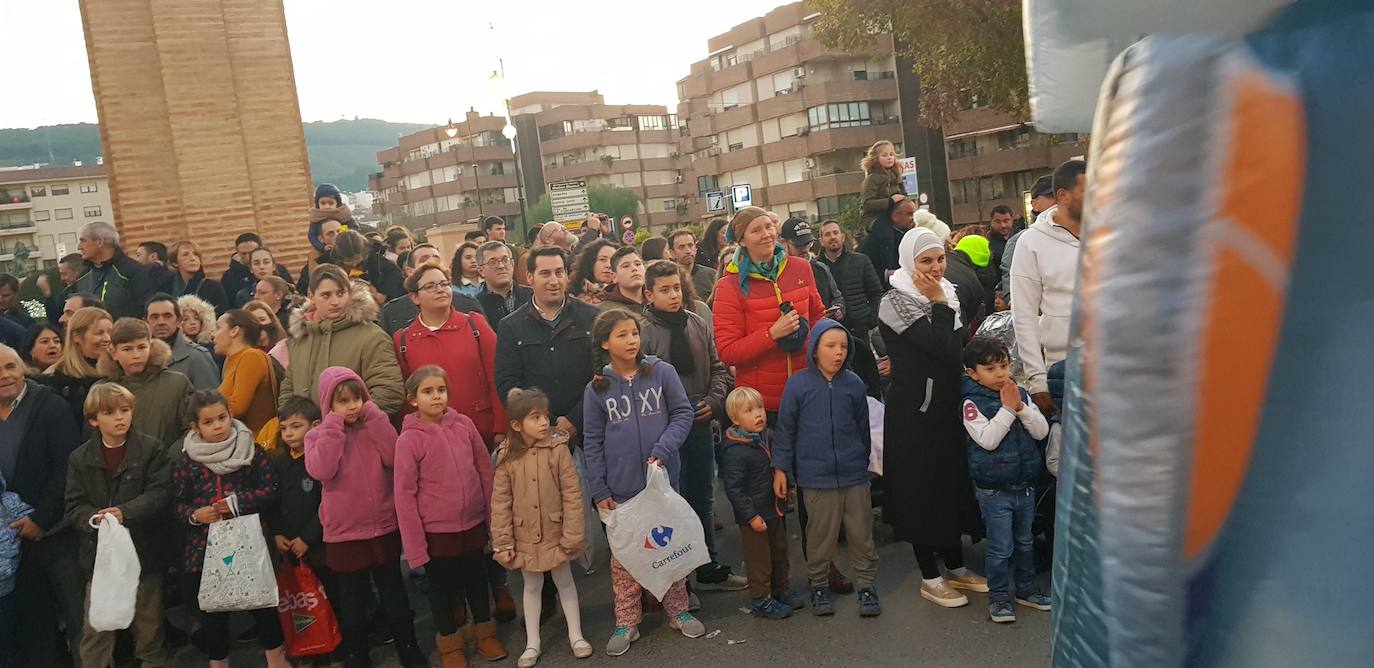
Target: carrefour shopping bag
[(114, 583), (656, 535), (237, 572), (308, 623)]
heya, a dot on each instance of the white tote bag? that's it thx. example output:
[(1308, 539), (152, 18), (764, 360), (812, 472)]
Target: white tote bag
[(656, 535), (876, 412), (237, 572), (114, 583)]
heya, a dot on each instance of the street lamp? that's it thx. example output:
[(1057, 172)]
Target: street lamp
[(478, 175), (509, 133)]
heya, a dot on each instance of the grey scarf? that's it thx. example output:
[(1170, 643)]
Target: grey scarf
[(223, 457)]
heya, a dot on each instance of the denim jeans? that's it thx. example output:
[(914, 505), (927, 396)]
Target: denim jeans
[(698, 479), (1007, 516)]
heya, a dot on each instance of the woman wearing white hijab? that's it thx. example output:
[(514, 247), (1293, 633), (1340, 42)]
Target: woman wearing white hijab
[(928, 498)]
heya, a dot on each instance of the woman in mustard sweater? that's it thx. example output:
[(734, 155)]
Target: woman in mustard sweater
[(249, 382)]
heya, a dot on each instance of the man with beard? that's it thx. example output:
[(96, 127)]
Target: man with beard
[(881, 243)]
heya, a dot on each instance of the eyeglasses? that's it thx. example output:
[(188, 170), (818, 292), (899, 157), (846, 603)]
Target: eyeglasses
[(497, 262), (437, 286)]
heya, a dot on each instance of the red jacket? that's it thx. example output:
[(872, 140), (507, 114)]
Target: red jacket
[(742, 322), (471, 365)]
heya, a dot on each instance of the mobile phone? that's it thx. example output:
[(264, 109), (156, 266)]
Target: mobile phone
[(833, 310), (785, 307)]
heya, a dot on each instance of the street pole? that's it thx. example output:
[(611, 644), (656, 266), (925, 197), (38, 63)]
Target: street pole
[(478, 175)]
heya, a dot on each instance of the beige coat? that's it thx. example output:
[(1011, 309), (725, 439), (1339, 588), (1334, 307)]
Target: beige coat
[(536, 507)]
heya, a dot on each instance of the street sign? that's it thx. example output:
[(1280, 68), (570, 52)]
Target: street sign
[(715, 202), (742, 195), (569, 202), (907, 166)]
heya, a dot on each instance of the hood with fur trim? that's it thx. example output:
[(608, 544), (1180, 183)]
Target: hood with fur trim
[(203, 310), (360, 308), (159, 356)]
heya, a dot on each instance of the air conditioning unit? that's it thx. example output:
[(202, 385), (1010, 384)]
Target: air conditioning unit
[(678, 178), (798, 72), (674, 154), (810, 163), (737, 146)]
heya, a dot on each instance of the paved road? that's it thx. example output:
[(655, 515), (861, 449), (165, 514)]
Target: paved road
[(911, 632)]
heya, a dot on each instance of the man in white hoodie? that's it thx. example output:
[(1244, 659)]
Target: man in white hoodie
[(1043, 272)]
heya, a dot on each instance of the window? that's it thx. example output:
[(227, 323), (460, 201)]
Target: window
[(653, 123), (40, 216), (92, 211), (63, 214), (834, 207), (622, 123), (1019, 138), (861, 75), (707, 184), (38, 191), (60, 189), (90, 187), (841, 115), (670, 205), (963, 148)]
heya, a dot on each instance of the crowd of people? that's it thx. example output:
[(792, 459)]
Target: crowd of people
[(383, 406)]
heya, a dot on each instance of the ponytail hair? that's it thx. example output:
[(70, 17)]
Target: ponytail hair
[(601, 332)]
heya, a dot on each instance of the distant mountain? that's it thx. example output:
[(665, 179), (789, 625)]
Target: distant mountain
[(341, 152)]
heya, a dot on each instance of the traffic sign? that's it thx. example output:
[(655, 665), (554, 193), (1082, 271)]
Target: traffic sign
[(742, 195), (569, 200), (715, 202)]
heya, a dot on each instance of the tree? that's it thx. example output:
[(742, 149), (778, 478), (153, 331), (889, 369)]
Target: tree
[(958, 48), (610, 200)]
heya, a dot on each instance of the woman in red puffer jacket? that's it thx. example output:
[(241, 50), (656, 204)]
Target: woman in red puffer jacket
[(753, 334)]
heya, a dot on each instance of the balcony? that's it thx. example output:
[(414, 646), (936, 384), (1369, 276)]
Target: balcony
[(734, 117), (738, 159), (1014, 160), (7, 203), (18, 228)]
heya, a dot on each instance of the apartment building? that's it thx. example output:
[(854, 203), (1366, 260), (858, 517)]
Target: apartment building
[(576, 135), (449, 174), (42, 211), (994, 158), (771, 107)]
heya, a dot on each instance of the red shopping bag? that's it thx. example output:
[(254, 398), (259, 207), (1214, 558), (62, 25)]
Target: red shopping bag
[(308, 623)]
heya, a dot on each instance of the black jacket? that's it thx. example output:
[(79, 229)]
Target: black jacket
[(122, 284), (862, 288), (881, 246), (40, 471), (398, 313), (383, 274), (208, 289), (557, 360), (238, 278), (746, 473), (141, 488), (826, 286), (71, 392), (969, 288), (296, 514), (494, 305)]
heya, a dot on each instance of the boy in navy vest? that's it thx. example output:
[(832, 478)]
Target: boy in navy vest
[(1003, 462)]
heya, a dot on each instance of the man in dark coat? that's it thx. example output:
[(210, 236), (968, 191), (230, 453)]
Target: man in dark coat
[(859, 283), (37, 434), (968, 286), (1000, 228), (500, 294), (883, 236), (111, 276)]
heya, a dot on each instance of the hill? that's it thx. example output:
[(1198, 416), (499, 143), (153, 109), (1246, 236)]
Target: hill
[(341, 152)]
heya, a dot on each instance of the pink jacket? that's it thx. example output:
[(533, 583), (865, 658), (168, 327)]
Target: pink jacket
[(353, 464), (443, 480)]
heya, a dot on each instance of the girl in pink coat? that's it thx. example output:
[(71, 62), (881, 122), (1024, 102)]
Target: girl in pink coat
[(443, 486)]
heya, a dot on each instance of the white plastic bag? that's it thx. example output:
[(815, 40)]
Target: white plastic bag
[(875, 436), (237, 572), (656, 535), (114, 583)]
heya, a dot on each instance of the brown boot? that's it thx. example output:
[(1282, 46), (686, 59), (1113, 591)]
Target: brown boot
[(504, 608), (488, 647), (451, 650)]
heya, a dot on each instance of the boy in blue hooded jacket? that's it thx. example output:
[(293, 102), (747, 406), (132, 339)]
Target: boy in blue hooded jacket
[(821, 443)]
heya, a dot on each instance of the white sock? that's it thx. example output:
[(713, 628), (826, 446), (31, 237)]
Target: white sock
[(932, 581), (567, 595), (958, 572), (534, 604)]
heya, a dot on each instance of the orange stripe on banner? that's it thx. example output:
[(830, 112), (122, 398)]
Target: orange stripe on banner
[(1262, 191)]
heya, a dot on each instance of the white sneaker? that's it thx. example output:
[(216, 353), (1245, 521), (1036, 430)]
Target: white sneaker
[(940, 594)]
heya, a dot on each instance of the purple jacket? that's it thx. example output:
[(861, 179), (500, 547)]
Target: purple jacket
[(443, 480), (647, 416), (353, 464)]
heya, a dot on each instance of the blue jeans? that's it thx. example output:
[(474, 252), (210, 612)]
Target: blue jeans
[(698, 455), (1007, 516)]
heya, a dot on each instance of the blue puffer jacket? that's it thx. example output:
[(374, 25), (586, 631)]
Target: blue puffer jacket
[(822, 439), (646, 416), (1016, 461)]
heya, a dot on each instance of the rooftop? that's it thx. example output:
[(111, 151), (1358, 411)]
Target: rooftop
[(31, 174)]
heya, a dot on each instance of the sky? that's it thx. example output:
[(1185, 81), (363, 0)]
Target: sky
[(420, 61)]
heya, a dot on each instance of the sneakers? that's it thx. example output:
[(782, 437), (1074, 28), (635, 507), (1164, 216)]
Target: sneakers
[(820, 603), (839, 584), (689, 626), (940, 594), (1001, 612), (967, 581), (788, 598), (693, 601), (770, 608), (621, 639), (1035, 599), (868, 603), (717, 577)]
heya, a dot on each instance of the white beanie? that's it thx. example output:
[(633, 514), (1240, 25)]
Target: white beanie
[(924, 218)]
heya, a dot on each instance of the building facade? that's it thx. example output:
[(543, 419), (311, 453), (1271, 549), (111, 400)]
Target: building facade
[(42, 210), (772, 108), (994, 158)]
